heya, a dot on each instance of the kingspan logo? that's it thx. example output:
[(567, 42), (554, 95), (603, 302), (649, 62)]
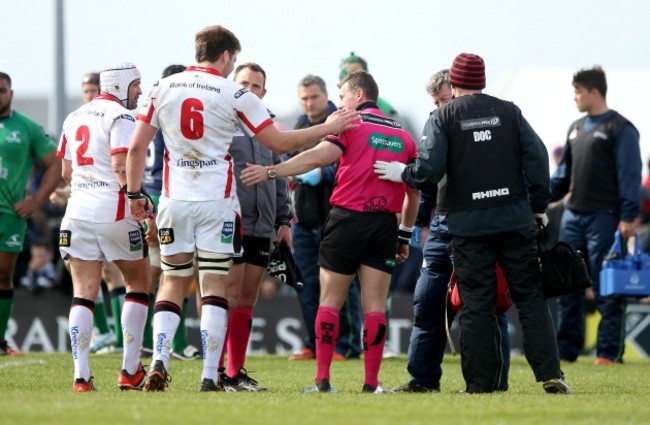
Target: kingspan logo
[(74, 341), (490, 193), (392, 143), (195, 163), (160, 342)]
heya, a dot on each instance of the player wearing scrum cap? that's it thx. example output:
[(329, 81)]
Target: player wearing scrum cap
[(97, 225)]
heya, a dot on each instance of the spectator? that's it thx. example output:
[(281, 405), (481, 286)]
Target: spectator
[(41, 274)]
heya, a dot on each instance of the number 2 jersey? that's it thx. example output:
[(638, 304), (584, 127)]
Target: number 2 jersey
[(197, 111), (91, 135)]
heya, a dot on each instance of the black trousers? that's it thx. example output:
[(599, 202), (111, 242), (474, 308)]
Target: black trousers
[(475, 259)]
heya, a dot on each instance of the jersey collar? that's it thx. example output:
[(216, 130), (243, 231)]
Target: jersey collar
[(204, 69), (367, 104), (107, 96)]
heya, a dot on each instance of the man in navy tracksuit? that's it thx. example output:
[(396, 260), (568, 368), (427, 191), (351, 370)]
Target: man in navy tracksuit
[(601, 171)]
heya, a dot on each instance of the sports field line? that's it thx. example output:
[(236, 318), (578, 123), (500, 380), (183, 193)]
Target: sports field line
[(17, 363)]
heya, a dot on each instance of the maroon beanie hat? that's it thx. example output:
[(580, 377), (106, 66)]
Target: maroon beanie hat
[(468, 72)]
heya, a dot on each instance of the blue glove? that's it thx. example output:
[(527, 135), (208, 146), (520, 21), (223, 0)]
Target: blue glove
[(310, 178), (415, 237)]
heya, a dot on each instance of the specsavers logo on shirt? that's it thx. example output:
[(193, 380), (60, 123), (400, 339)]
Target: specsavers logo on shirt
[(380, 142)]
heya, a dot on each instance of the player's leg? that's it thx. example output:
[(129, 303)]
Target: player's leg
[(116, 294), (12, 235), (7, 263), (134, 316), (218, 236), (177, 245), (374, 290), (334, 290), (86, 278)]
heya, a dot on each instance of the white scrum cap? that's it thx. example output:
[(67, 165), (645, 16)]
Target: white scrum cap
[(115, 79)]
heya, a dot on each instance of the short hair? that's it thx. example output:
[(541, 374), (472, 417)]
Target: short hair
[(253, 67), (437, 81), (364, 81), (91, 78), (212, 41), (310, 80), (6, 77), (173, 69), (591, 78)]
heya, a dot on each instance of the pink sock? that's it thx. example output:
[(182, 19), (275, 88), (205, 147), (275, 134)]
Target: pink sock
[(327, 332), (241, 319), (374, 339)]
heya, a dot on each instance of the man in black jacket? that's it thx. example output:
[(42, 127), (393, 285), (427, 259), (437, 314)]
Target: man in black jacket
[(497, 187)]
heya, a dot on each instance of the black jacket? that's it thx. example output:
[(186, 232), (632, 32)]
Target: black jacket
[(524, 161)]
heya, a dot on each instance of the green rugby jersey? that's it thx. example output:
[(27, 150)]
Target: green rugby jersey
[(22, 141)]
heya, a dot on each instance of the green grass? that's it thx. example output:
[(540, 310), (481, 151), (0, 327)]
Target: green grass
[(36, 389)]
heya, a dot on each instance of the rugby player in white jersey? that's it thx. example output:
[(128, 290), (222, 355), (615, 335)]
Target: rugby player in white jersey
[(197, 111), (98, 226)]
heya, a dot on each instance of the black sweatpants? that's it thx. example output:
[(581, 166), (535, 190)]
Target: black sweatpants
[(474, 259)]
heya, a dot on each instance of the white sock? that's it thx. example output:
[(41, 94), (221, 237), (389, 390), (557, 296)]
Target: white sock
[(134, 316), (81, 330), (164, 328), (214, 323)]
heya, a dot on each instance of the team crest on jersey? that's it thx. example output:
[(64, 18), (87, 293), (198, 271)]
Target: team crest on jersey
[(13, 137), (240, 93), (227, 232), (380, 142), (14, 241), (166, 235), (135, 241), (64, 237)]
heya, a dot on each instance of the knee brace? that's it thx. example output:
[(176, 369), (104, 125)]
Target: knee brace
[(211, 262), (182, 270)]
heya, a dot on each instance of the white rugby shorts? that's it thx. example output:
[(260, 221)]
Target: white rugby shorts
[(185, 226), (121, 240)]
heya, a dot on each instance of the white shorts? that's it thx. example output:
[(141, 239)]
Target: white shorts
[(185, 226), (121, 240)]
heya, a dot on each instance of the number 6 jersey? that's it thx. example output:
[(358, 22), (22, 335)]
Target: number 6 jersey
[(91, 135), (197, 111)]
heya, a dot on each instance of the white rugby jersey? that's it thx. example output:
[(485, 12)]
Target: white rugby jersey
[(197, 111), (91, 134)]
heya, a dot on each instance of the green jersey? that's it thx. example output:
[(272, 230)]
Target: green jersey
[(22, 141)]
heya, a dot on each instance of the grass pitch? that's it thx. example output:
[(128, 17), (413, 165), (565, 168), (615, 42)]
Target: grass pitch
[(36, 389)]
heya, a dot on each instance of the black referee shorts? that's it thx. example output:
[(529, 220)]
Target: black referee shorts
[(256, 251), (352, 238)]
